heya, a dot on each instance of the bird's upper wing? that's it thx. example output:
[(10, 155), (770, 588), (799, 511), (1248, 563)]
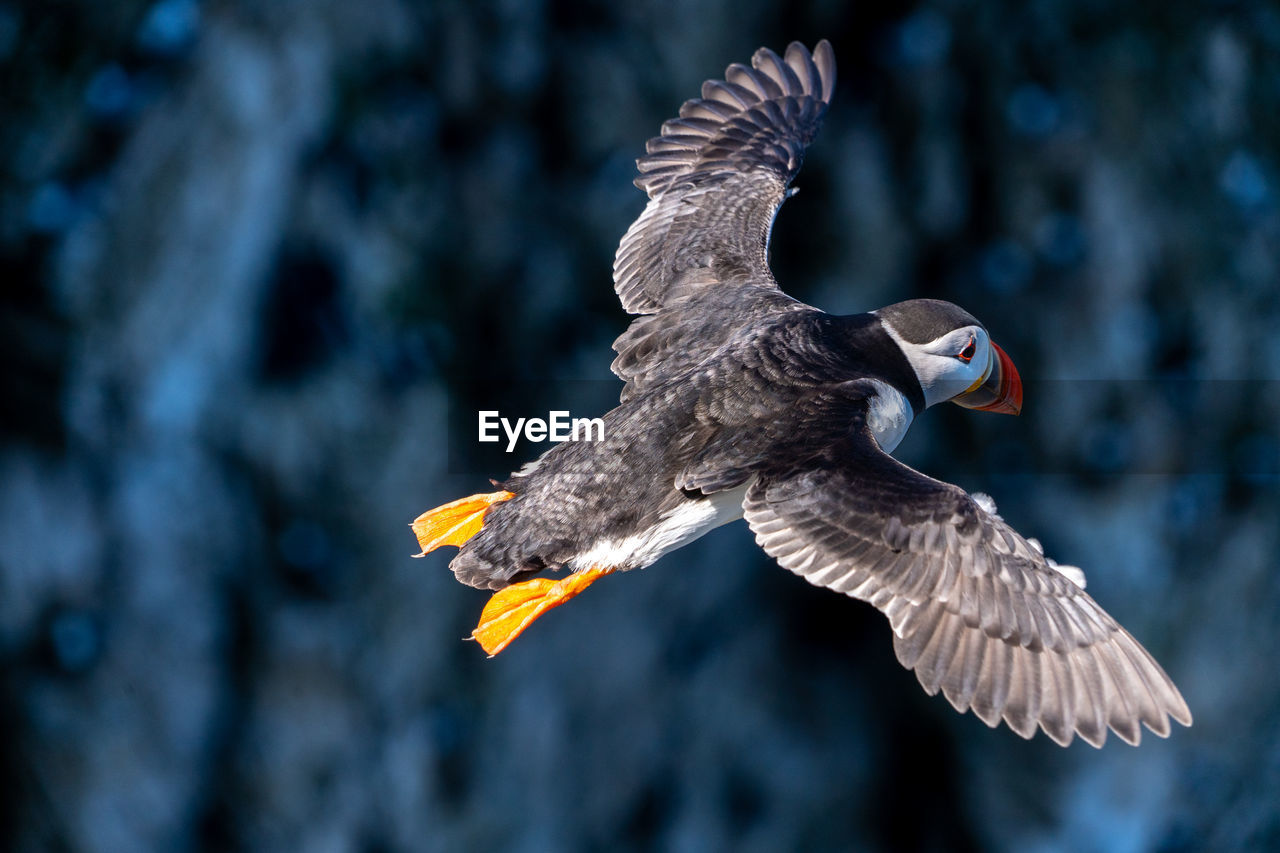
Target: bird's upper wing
[(977, 610), (716, 178)]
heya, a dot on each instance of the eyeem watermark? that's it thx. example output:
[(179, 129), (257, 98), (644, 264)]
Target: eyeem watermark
[(558, 427)]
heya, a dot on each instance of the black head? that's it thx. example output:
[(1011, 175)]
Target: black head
[(952, 355), (919, 321)]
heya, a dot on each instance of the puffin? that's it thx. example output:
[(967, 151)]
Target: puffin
[(742, 402)]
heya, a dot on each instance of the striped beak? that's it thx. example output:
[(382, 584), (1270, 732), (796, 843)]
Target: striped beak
[(999, 391)]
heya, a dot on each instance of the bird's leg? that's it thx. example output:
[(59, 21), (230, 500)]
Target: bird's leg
[(515, 608), (454, 523)]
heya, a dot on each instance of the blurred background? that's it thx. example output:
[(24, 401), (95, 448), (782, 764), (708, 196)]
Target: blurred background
[(262, 262)]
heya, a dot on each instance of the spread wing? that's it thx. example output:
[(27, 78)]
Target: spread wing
[(977, 610), (715, 178)]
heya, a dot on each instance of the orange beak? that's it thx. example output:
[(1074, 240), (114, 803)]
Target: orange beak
[(1001, 391)]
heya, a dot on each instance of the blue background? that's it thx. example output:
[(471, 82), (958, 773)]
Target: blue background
[(263, 262)]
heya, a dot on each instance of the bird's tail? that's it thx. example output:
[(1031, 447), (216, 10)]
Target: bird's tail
[(514, 606), (454, 523)]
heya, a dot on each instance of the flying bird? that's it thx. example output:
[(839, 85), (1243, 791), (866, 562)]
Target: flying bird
[(741, 402)]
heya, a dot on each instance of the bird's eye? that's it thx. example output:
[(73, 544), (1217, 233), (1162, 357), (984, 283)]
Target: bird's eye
[(966, 354)]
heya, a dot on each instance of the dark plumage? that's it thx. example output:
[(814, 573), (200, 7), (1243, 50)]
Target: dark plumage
[(918, 326), (741, 401), (778, 390)]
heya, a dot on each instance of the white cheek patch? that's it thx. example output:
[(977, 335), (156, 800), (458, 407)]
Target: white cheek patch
[(941, 375)]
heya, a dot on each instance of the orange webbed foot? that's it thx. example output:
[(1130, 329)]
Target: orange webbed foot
[(456, 522), (515, 608)]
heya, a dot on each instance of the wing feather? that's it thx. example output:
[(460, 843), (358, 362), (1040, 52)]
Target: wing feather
[(978, 612), (696, 260)]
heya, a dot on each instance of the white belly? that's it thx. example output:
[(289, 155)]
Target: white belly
[(889, 415), (675, 530)]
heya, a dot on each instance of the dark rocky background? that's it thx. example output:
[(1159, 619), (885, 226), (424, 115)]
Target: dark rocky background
[(258, 258)]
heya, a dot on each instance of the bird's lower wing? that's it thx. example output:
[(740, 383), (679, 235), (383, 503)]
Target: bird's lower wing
[(977, 611)]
